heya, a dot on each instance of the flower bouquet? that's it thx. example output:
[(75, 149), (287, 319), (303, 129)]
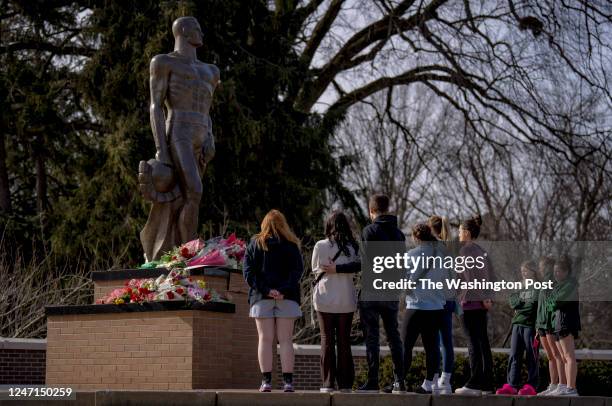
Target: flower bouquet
[(218, 251), (175, 286)]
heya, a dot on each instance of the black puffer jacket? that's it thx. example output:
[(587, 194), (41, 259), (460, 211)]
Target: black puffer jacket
[(383, 228), (280, 268)]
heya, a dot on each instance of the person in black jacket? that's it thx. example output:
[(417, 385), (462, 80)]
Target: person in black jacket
[(383, 228), (273, 267)]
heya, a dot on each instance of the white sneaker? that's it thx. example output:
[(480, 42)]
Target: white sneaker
[(442, 389), (547, 391), (326, 390), (569, 392), (443, 386), (468, 391), (559, 391)]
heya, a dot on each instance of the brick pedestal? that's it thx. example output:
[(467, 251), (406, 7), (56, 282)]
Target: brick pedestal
[(157, 349), (165, 345)]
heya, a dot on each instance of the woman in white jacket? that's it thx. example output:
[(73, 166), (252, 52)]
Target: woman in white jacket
[(334, 261)]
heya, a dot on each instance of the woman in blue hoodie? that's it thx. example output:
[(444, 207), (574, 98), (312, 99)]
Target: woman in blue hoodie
[(273, 267), (424, 306)]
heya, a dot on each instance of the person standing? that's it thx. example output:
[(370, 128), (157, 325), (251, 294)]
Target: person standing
[(425, 306), (545, 329), (383, 228), (564, 304), (475, 306), (273, 267), (335, 260), (441, 230), (525, 306)]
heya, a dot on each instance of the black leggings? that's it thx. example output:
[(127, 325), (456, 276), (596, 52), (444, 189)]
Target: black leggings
[(427, 324), (479, 349)]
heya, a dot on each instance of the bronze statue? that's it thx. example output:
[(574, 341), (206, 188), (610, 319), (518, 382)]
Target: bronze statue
[(183, 139)]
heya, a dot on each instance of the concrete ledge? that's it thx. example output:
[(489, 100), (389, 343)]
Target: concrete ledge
[(23, 344), (462, 400), (376, 399), (541, 401), (588, 401), (156, 398), (83, 398), (306, 398), (254, 398)]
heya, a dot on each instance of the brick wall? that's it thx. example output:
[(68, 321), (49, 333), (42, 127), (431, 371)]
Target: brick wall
[(142, 350), (22, 366), (307, 370), (245, 366)]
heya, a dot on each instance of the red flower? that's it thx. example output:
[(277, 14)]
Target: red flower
[(206, 296), (170, 295), (180, 291)]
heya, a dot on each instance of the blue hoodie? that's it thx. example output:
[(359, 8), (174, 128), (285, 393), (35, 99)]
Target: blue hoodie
[(427, 299)]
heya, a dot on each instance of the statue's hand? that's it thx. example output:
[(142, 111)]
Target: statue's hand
[(163, 157)]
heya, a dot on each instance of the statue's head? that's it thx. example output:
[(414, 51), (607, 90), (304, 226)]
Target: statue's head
[(189, 29)]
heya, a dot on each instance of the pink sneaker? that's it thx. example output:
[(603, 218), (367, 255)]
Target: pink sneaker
[(527, 390), (506, 390)]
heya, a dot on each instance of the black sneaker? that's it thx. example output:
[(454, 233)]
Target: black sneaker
[(422, 391), (368, 387), (397, 387)]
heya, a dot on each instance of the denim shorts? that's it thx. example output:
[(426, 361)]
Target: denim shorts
[(268, 308)]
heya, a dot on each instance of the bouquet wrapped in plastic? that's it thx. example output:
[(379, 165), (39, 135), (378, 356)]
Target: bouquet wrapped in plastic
[(175, 286), (225, 252)]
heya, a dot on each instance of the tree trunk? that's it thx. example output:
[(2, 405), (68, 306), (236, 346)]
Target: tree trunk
[(5, 192), (41, 178)]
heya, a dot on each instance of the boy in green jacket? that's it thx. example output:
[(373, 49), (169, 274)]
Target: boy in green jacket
[(525, 305)]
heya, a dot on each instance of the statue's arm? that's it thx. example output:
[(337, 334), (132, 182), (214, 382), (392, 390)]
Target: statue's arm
[(159, 73), (208, 152)]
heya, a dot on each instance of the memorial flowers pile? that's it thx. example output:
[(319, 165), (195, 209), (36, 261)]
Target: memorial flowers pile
[(175, 286), (218, 251)]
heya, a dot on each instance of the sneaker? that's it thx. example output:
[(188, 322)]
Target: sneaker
[(399, 387), (326, 390), (288, 387), (507, 389), (546, 392), (569, 392), (487, 392), (558, 391), (422, 391), (442, 389), (468, 391), (527, 390), (265, 387), (369, 387)]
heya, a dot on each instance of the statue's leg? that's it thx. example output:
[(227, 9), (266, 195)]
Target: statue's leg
[(184, 141)]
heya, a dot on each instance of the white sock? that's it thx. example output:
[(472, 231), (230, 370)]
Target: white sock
[(427, 385), (444, 379)]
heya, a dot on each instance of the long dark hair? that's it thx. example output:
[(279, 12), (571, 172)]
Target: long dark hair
[(473, 226), (338, 230)]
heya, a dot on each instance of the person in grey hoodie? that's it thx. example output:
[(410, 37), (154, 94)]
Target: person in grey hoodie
[(425, 306)]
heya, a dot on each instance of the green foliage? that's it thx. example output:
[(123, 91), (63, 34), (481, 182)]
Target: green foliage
[(594, 377)]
